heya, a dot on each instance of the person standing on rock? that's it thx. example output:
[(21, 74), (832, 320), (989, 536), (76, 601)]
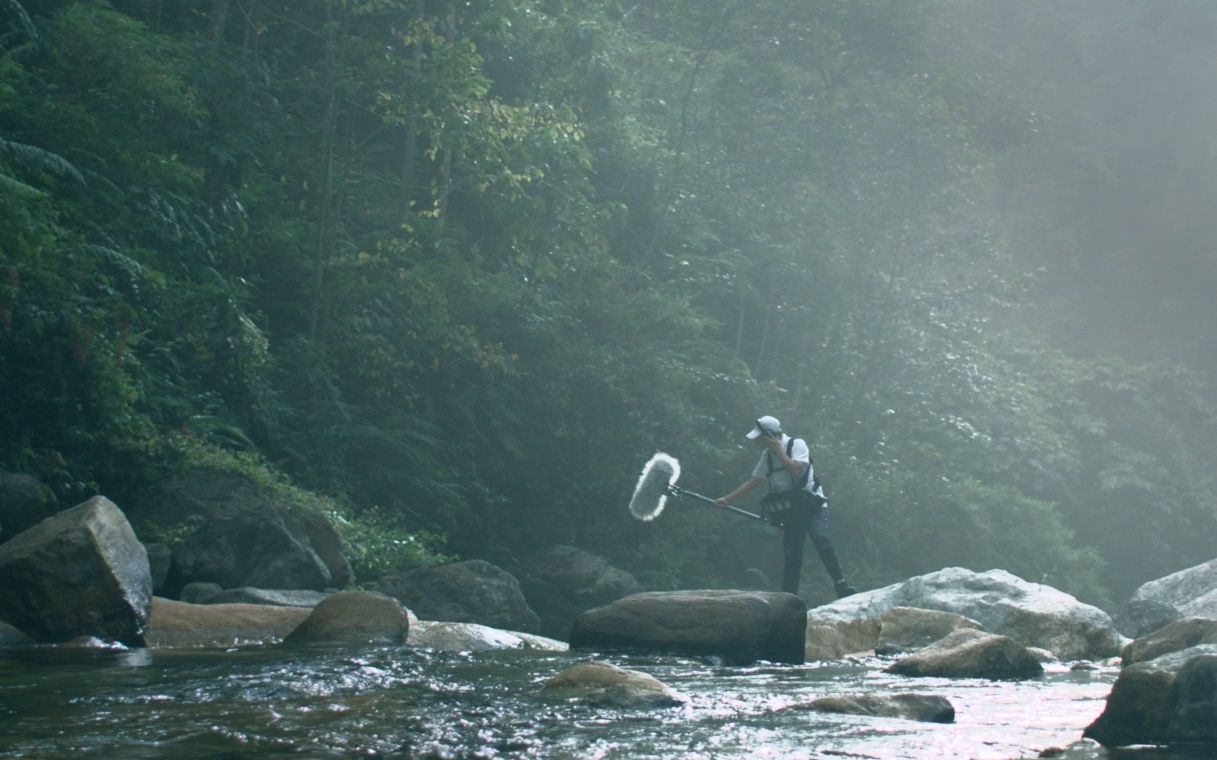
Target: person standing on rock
[(796, 499)]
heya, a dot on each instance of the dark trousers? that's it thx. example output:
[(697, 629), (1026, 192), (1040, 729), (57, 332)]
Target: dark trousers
[(811, 519)]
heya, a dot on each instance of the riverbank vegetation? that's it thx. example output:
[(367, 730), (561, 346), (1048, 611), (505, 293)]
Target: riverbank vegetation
[(460, 268)]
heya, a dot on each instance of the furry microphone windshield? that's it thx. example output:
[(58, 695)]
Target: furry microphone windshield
[(651, 493)]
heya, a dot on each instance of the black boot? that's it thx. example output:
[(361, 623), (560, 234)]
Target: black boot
[(844, 589)]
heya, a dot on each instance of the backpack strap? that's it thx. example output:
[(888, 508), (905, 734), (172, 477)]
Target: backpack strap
[(802, 481)]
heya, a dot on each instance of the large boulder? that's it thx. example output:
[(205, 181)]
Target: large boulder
[(199, 592), (561, 582), (598, 682), (1030, 613), (471, 637), (160, 557), (1138, 617), (831, 639), (907, 629), (1179, 635), (1192, 591), (900, 629), (473, 591), (24, 502), (173, 624), (1167, 700), (82, 571), (969, 653), (353, 617), (329, 547), (738, 626), (237, 532), (927, 708), (12, 637)]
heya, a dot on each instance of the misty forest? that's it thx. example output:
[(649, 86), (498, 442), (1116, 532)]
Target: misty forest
[(446, 274)]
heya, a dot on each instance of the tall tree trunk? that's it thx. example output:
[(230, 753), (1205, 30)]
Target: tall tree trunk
[(445, 169), (350, 153), (409, 160), (252, 31), (760, 353), (445, 188), (739, 323), (801, 367), (329, 125)]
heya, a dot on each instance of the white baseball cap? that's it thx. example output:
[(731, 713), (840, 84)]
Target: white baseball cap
[(765, 426)]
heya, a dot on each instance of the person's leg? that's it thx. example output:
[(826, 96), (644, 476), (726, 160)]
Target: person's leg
[(817, 527), (792, 549)]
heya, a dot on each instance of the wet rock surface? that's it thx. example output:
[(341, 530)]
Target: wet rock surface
[(921, 707), (599, 682)]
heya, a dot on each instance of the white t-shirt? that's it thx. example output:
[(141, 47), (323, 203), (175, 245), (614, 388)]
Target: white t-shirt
[(770, 467)]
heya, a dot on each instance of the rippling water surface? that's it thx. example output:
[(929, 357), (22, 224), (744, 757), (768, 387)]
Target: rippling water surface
[(269, 703)]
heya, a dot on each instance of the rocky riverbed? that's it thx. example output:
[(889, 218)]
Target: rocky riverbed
[(954, 663)]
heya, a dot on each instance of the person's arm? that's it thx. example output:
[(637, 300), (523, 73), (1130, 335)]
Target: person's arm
[(744, 489), (792, 466)]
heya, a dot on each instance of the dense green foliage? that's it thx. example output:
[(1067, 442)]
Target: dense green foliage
[(461, 267)]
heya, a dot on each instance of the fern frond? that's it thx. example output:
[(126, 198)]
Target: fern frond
[(222, 432), (37, 160), (17, 187), (13, 9), (17, 50), (128, 265)]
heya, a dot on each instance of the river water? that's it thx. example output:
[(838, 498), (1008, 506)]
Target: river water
[(395, 702)]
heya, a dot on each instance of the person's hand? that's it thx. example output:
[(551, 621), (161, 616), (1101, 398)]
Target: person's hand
[(720, 503), (774, 444)]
